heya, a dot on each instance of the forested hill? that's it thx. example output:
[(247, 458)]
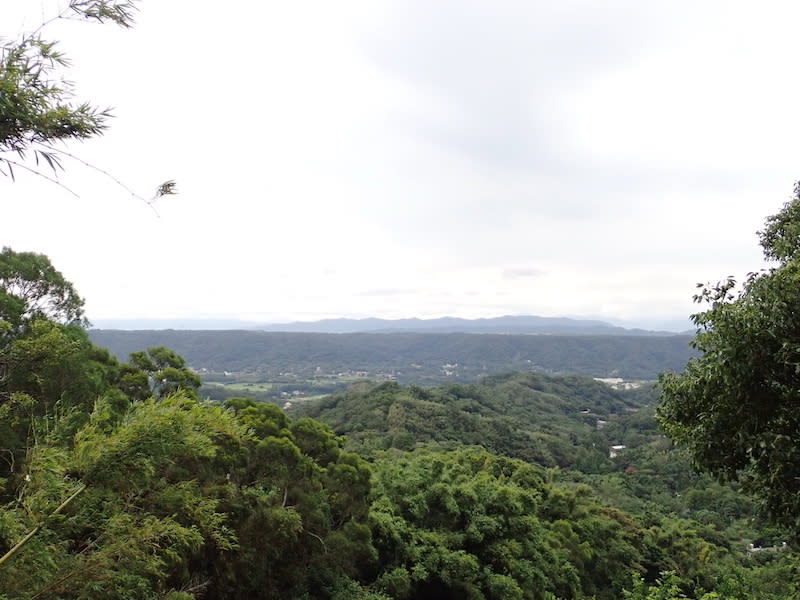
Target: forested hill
[(410, 357), (530, 416)]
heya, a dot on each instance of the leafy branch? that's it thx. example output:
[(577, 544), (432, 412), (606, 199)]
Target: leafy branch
[(37, 109), (19, 545)]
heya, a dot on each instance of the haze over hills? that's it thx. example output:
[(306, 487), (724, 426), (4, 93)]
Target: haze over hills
[(523, 324), (498, 325)]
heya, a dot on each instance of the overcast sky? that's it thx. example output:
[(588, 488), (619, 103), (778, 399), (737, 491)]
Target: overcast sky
[(419, 158)]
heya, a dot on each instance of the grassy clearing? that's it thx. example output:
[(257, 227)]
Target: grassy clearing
[(248, 387), (299, 399)]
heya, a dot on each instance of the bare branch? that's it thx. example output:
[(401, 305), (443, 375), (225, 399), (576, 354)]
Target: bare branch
[(170, 184), (321, 541), (10, 162)]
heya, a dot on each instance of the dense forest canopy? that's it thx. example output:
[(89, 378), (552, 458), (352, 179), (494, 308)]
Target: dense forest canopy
[(116, 481)]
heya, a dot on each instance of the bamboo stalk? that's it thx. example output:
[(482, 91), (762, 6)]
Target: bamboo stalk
[(36, 529)]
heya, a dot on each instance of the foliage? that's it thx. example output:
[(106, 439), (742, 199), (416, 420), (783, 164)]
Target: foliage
[(669, 587), (299, 506), (30, 288), (36, 103), (38, 112), (464, 525), (467, 523), (529, 416), (157, 372), (736, 407), (117, 482), (144, 513), (184, 496), (672, 519), (54, 378), (176, 498)]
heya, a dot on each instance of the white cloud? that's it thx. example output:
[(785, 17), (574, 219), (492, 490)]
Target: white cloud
[(328, 155)]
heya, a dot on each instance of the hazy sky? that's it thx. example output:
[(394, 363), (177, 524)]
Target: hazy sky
[(419, 158)]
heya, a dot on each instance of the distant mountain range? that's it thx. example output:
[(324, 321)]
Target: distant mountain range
[(501, 325), (531, 325)]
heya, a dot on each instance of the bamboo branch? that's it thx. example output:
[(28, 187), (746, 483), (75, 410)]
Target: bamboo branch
[(12, 163), (69, 575), (36, 529), (321, 541), (106, 174)]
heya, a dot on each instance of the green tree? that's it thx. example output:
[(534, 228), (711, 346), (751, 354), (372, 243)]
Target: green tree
[(298, 506), (157, 372), (464, 524), (31, 287), (147, 515), (737, 406), (54, 378)]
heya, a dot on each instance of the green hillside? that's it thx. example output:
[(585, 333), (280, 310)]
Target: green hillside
[(622, 496), (409, 357), (529, 416)]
